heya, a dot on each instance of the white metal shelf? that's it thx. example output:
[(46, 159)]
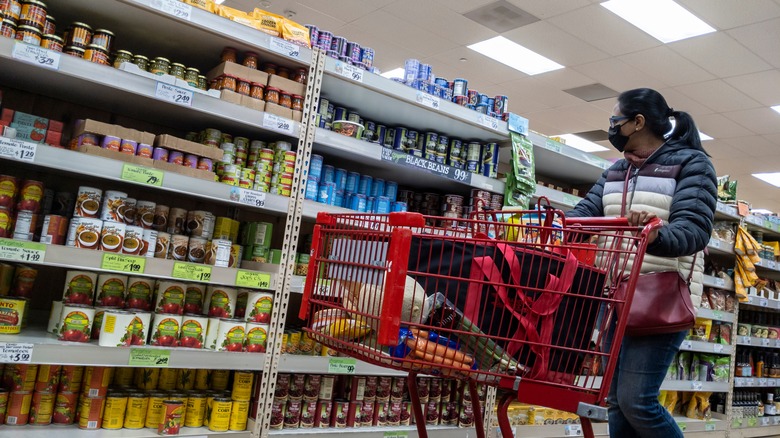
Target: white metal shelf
[(695, 386), (293, 363), (706, 347), (90, 260), (726, 212), (559, 199), (48, 350), (378, 432), (750, 341), (768, 427), (73, 431), (722, 247), (716, 315), (758, 223), (553, 158), (761, 302), (104, 86), (719, 283)]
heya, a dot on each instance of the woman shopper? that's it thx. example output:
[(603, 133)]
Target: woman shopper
[(668, 175)]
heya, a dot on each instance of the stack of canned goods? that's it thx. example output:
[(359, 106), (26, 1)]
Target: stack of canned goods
[(160, 66), (420, 77), (339, 48), (341, 188), (451, 205)]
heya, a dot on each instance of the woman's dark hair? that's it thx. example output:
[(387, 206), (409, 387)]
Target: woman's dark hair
[(653, 106)]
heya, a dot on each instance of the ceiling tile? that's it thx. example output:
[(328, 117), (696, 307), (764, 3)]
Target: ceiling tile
[(721, 127), (564, 79), (479, 70), (720, 54), (604, 30), (546, 9), (345, 10), (759, 120), (559, 120), (666, 65), (531, 88), (406, 34), (463, 6), (550, 41), (448, 23), (618, 75), (762, 39), (390, 54), (681, 102), (303, 13), (763, 87), (755, 146), (746, 165), (719, 149), (727, 14), (719, 96)]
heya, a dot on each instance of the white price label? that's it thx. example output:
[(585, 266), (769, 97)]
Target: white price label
[(763, 302), (349, 71), (174, 7), (718, 348), (719, 282), (771, 264), (762, 382), (285, 48), (36, 55), (765, 421), (715, 243), (276, 123), (750, 382), (428, 100), (776, 420), (739, 381), (489, 122), (777, 343), (15, 353), (747, 340), (17, 149), (764, 342), (709, 426), (696, 386), (686, 345), (572, 430), (252, 198), (173, 94)]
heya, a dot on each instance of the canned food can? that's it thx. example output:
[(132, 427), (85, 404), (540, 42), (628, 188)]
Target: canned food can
[(118, 329), (111, 290), (70, 378), (12, 314), (185, 379), (256, 337), (129, 147), (193, 331), (242, 385), (18, 408), (382, 205), (219, 379), (91, 412), (170, 297), (195, 410), (167, 381), (139, 293), (144, 150), (202, 378), (161, 213), (219, 420), (312, 189), (230, 336), (171, 418), (500, 104), (76, 323), (19, 377), (84, 233), (65, 408), (165, 330), (239, 414), (146, 378), (123, 377), (162, 245), (96, 381), (327, 192), (155, 411), (114, 411), (177, 218), (112, 236), (211, 333), (179, 247), (220, 301), (24, 228), (196, 249), (48, 378), (133, 241), (137, 406)]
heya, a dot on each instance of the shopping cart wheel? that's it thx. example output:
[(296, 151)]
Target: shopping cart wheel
[(419, 418), (479, 421), (503, 418)]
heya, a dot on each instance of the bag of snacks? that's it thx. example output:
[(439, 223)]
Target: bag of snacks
[(295, 33), (268, 22), (206, 5)]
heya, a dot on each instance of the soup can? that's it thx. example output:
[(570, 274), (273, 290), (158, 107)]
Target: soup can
[(112, 236), (91, 412), (111, 290), (113, 206), (144, 212), (193, 331), (85, 233), (162, 245), (179, 247), (54, 230), (230, 336), (148, 243), (133, 241), (196, 249), (177, 218), (165, 330), (161, 213), (76, 323)]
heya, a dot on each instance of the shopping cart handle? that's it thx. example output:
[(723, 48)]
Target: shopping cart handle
[(651, 225)]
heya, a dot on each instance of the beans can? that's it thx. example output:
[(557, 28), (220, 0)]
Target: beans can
[(76, 323), (256, 337), (193, 331), (65, 406), (139, 293), (12, 314), (165, 330), (171, 418), (19, 377), (48, 378), (91, 412), (170, 297), (70, 378), (84, 233), (88, 202), (18, 410), (167, 380), (231, 334), (195, 410), (55, 229), (96, 381), (137, 405), (111, 290), (156, 410), (220, 301), (219, 420)]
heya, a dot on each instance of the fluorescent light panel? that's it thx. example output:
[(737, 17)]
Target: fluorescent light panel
[(219, 2), (704, 137), (394, 73), (771, 178), (776, 108), (580, 143), (516, 56), (664, 20)]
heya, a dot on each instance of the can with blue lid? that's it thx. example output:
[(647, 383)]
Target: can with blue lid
[(353, 51), (353, 179), (367, 57), (315, 168), (379, 135), (340, 178), (391, 190), (442, 82), (501, 104), (328, 174), (431, 142), (483, 98), (312, 189), (399, 206), (338, 198), (411, 70), (460, 87), (364, 186), (339, 45), (339, 113), (425, 73), (370, 204), (357, 202), (389, 138), (324, 40)]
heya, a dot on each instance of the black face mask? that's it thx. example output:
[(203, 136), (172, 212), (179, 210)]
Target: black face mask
[(617, 139)]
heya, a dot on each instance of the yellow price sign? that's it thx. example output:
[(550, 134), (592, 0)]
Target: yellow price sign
[(123, 263), (191, 271), (256, 280), (142, 175)]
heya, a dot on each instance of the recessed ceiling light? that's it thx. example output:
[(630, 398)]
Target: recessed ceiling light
[(394, 73), (219, 2), (580, 143), (664, 20), (771, 178), (776, 108), (704, 137), (516, 56)]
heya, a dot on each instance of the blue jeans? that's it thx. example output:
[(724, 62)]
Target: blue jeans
[(634, 410)]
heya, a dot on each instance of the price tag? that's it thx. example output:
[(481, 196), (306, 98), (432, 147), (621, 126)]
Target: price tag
[(749, 382), (764, 342), (174, 7), (739, 381), (696, 386), (747, 340), (518, 124), (149, 357), (717, 314), (253, 198), (15, 353), (776, 420), (572, 430), (719, 282), (256, 280), (36, 55), (765, 421), (17, 150), (341, 365), (771, 264), (398, 434), (709, 426), (191, 271), (762, 382), (715, 243), (123, 263), (777, 343), (552, 145), (718, 348), (351, 72), (444, 171), (682, 426), (763, 302), (276, 123), (285, 48), (489, 122), (428, 100), (686, 345), (142, 175), (173, 94), (22, 251)]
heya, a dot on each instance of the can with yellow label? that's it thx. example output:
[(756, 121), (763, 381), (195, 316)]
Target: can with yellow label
[(219, 421), (91, 412), (155, 409), (147, 378), (239, 413), (219, 379), (195, 411), (114, 412), (185, 379), (242, 385), (167, 380), (202, 379), (137, 405), (123, 377)]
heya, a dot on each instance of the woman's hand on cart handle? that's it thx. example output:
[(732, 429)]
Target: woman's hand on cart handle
[(649, 220)]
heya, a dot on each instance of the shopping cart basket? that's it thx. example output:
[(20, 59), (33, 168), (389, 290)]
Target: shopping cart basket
[(527, 311)]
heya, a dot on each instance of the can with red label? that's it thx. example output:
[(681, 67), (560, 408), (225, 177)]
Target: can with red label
[(41, 408), (91, 412), (18, 410), (19, 377), (65, 407), (48, 378), (55, 229), (3, 404), (96, 381), (70, 378)]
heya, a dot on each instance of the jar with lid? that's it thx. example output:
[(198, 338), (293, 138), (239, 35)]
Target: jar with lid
[(191, 76), (12, 10), (283, 72), (73, 51), (269, 68), (257, 91), (177, 70), (251, 60), (96, 54), (33, 14), (160, 66), (229, 54), (301, 75), (29, 35), (79, 35), (203, 83), (52, 42), (142, 62), (228, 82), (8, 28), (272, 95), (122, 56), (297, 102), (243, 87), (50, 26), (103, 38), (285, 99)]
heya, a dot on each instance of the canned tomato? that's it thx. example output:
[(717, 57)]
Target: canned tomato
[(42, 408), (91, 412), (79, 287), (219, 379), (193, 298), (30, 195), (84, 233), (48, 378), (114, 412), (167, 380), (242, 385), (123, 377), (76, 323), (18, 410), (6, 222), (195, 410), (260, 305), (219, 420), (220, 301), (193, 331), (97, 323), (135, 415), (19, 377), (111, 290), (239, 413), (121, 328), (23, 282), (230, 336), (9, 186), (165, 330), (12, 313), (55, 229), (170, 297), (70, 378), (65, 408), (96, 381), (256, 337), (172, 417)]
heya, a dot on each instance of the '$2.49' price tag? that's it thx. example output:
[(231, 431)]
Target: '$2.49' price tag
[(276, 123), (173, 94)]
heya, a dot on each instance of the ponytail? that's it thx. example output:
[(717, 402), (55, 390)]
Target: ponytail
[(685, 130)]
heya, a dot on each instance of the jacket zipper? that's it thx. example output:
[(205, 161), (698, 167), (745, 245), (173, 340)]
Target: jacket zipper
[(635, 176)]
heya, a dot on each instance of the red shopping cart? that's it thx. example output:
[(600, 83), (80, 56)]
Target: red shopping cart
[(526, 307)]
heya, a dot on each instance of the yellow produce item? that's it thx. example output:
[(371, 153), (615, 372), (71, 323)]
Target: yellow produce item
[(346, 328)]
